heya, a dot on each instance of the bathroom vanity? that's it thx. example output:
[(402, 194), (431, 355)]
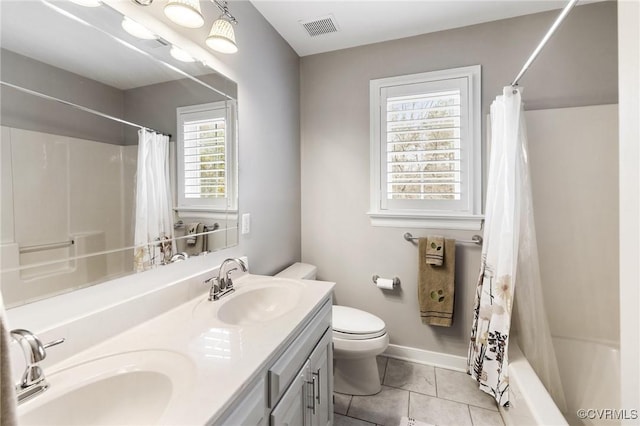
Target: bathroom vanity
[(296, 387), (259, 356)]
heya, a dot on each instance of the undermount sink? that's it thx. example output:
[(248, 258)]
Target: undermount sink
[(126, 389), (260, 303)]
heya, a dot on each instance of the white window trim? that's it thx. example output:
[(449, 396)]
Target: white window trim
[(187, 210), (468, 220)]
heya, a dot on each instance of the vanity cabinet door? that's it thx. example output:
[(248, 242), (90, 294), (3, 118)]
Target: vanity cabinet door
[(251, 410), (321, 382), (293, 408)]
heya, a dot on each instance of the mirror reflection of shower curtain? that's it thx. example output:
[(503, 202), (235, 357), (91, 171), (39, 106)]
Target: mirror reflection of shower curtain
[(153, 237), (510, 257)]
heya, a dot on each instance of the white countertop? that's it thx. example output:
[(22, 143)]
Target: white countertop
[(215, 361)]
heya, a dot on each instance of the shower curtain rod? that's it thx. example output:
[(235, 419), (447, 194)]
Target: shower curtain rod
[(80, 107), (544, 40)]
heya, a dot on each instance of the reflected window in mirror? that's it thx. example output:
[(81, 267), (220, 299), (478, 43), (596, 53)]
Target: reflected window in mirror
[(205, 156)]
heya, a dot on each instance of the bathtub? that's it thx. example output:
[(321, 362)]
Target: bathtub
[(590, 375)]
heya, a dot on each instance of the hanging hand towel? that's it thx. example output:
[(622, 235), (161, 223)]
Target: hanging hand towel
[(200, 244), (192, 228), (435, 250), (436, 285)]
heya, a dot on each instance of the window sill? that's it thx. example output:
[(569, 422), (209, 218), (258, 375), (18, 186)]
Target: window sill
[(205, 213), (409, 220)]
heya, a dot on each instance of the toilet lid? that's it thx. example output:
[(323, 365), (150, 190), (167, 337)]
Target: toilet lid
[(356, 323)]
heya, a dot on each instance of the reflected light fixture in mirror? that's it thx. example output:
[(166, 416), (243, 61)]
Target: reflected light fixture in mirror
[(87, 3), (181, 55), (186, 13), (137, 30)]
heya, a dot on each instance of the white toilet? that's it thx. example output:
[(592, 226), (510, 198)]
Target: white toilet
[(358, 337)]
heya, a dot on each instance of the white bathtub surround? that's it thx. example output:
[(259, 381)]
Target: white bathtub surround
[(509, 257), (530, 403), (154, 217), (86, 176), (590, 373), (192, 340)]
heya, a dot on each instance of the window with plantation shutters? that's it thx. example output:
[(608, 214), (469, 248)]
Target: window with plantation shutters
[(425, 150), (205, 178)]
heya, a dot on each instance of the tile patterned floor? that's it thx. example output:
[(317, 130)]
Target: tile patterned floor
[(429, 394)]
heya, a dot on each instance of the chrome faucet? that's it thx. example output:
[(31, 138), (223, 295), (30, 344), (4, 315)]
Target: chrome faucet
[(178, 257), (223, 284), (33, 381)]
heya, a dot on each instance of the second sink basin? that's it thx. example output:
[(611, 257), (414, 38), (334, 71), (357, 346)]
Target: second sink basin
[(261, 302)]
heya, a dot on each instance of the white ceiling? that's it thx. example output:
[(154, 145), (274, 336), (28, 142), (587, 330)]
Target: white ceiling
[(365, 22)]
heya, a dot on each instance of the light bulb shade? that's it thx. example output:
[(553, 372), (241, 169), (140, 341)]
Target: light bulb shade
[(222, 38), (186, 13), (137, 30)]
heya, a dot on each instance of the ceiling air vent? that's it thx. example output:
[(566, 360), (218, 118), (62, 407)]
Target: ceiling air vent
[(153, 44), (322, 25)]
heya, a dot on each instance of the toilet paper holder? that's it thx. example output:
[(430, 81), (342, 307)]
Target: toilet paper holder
[(396, 280)]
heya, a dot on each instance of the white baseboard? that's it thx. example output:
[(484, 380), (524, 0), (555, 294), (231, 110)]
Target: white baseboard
[(421, 356)]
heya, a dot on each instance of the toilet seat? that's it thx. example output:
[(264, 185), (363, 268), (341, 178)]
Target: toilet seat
[(354, 324)]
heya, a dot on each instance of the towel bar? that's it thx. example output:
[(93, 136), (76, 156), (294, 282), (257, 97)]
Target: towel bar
[(476, 239), (42, 247), (207, 228)]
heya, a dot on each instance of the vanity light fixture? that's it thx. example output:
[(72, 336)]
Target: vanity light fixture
[(137, 30), (181, 55), (222, 37), (87, 3), (186, 13)]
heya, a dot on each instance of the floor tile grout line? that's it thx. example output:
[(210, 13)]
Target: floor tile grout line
[(496, 410), (358, 418), (436, 396)]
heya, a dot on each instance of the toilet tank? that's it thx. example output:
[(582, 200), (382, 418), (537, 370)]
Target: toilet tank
[(300, 271)]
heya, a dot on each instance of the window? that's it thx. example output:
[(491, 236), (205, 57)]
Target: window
[(206, 152), (425, 150)]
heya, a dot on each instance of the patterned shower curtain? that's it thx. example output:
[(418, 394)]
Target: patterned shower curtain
[(487, 361), (509, 254)]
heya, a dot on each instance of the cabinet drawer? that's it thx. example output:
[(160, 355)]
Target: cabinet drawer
[(282, 373)]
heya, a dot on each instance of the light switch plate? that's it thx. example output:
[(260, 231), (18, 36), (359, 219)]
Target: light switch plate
[(246, 224)]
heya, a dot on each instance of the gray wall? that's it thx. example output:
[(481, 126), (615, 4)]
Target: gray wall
[(266, 70), (155, 105), (579, 67), (28, 112)]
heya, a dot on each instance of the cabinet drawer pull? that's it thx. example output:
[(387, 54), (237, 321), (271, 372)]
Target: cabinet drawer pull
[(317, 395), (313, 397)]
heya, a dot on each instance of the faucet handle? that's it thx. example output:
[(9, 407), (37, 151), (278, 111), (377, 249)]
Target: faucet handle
[(54, 343), (33, 348), (215, 281)]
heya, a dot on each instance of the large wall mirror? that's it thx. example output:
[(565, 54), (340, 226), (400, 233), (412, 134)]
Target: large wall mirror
[(70, 172)]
